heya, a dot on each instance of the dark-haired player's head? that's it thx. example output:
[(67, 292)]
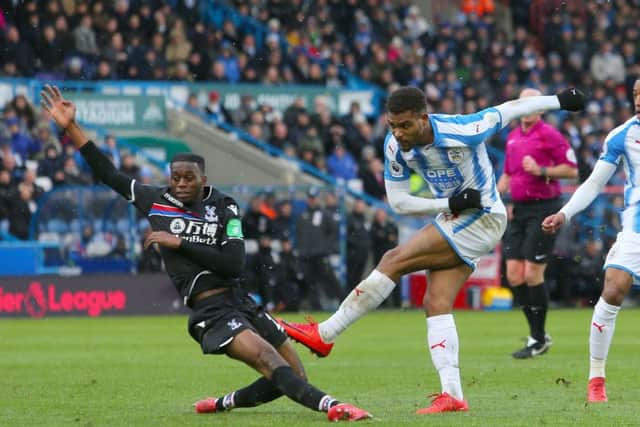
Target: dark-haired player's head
[(187, 177), (636, 97), (407, 116)]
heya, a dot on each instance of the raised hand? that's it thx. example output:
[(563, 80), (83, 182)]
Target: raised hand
[(571, 99), (552, 223), (62, 110)]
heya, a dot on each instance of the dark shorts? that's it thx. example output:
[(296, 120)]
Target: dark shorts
[(216, 320), (524, 239)]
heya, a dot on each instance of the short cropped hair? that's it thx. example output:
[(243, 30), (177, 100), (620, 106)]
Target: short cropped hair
[(189, 157), (407, 99)]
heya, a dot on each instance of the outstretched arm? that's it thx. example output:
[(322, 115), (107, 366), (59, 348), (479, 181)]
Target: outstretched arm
[(570, 99), (589, 190), (584, 195), (63, 112)]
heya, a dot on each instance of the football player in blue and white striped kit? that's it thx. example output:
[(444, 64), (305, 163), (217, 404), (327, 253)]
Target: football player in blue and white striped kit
[(449, 153), (622, 266)]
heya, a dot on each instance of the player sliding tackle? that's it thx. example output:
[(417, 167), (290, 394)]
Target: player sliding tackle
[(199, 233), (449, 153), (623, 260)]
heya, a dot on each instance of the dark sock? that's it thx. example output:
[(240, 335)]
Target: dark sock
[(260, 391), (521, 294), (539, 301), (301, 391)]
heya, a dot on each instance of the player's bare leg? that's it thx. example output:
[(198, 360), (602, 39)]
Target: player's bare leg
[(427, 249), (442, 337), (257, 393), (253, 350), (603, 323)]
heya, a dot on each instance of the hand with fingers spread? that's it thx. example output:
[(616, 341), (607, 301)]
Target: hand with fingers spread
[(162, 238), (552, 223), (62, 110)]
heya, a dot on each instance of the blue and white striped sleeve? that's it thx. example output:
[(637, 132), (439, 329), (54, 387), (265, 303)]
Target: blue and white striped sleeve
[(395, 168), (613, 146), (469, 129)]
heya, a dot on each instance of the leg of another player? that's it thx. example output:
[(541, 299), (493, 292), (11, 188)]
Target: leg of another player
[(515, 277), (253, 350), (262, 390), (427, 249), (538, 298), (603, 323), (442, 336)]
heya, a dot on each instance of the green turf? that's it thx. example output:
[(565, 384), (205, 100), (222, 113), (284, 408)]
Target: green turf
[(146, 371)]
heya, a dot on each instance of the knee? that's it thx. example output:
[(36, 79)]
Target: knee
[(268, 360), (515, 273), (532, 277), (515, 277), (389, 262), (434, 306), (613, 293)]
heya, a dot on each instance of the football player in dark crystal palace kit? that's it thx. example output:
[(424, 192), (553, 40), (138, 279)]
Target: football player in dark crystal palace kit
[(199, 232)]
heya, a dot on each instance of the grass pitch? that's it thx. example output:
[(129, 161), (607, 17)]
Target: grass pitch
[(146, 371)]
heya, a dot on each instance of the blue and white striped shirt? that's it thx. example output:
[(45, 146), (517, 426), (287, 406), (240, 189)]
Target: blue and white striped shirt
[(623, 142), (456, 160)]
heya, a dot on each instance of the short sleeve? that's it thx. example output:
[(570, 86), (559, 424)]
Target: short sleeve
[(395, 168), (468, 129), (508, 156), (613, 146), (561, 151)]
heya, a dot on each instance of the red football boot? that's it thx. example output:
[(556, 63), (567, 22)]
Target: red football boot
[(444, 402), (307, 334), (206, 406), (347, 412), (596, 390)]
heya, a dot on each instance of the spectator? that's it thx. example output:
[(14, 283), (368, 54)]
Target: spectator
[(72, 174), (608, 64), (312, 228), (290, 278), (358, 244), (254, 222), (384, 236), (110, 147), (51, 165), (21, 207), (129, 166), (85, 37), (341, 164), (21, 143), (282, 227), (373, 179)]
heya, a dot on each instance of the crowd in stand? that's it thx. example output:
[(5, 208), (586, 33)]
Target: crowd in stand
[(464, 64)]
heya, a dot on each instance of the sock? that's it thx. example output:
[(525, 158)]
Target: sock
[(521, 294), (365, 297), (603, 324), (539, 302), (260, 391), (442, 338), (301, 391)]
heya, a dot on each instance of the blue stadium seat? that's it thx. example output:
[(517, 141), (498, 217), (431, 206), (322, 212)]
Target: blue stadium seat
[(57, 226)]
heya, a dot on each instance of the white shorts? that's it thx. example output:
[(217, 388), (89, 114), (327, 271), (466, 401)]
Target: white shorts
[(625, 255), (472, 235)]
